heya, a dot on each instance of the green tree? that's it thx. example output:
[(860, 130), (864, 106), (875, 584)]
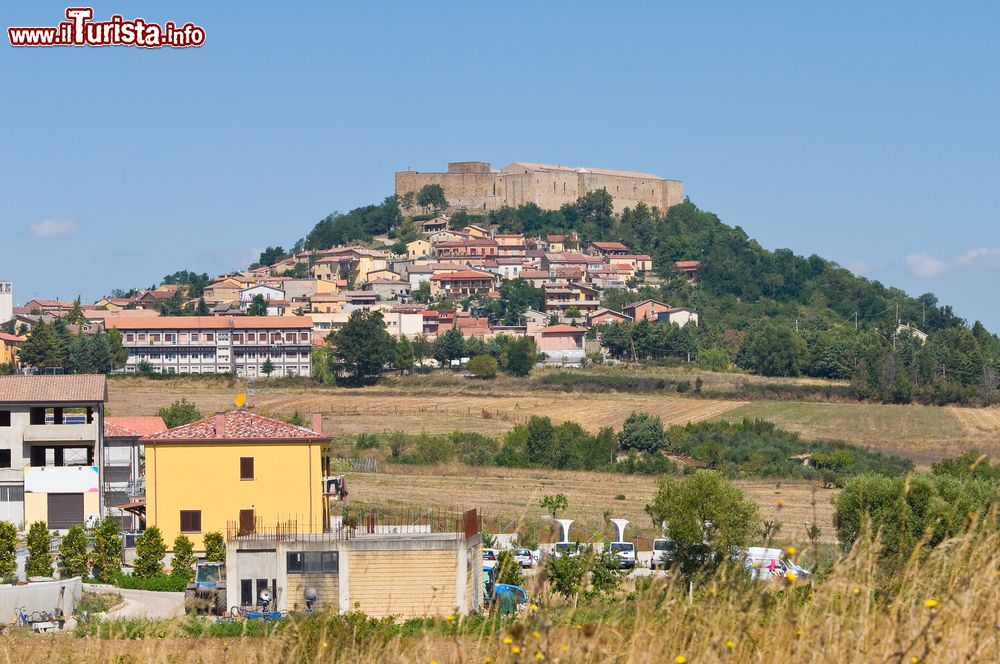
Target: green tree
[(554, 503), (184, 559), (149, 552), (39, 561), (179, 413), (270, 256), (642, 432), (363, 345), (215, 547), (403, 355), (423, 292), (431, 196), (73, 554), (705, 516), (267, 367), (772, 349), (521, 356), (508, 570), (257, 306), (566, 575), (75, 315), (8, 549), (483, 366), (107, 550), (449, 346)]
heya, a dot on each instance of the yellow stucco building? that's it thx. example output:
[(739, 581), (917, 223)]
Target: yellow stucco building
[(233, 472)]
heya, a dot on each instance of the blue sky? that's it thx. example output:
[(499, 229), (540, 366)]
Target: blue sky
[(866, 134)]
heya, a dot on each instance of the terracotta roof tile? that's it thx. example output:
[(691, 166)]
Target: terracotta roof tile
[(238, 425), (80, 388), (132, 427)]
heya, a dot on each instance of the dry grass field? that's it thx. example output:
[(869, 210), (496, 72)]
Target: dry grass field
[(922, 433), (507, 495)]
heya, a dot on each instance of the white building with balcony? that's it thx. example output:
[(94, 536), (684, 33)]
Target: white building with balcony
[(240, 345), (51, 443)]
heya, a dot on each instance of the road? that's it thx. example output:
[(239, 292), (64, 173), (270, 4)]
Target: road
[(142, 603)]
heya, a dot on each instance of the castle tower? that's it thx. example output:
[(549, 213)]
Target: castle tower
[(6, 301)]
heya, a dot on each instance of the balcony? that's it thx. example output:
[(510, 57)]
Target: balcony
[(60, 433)]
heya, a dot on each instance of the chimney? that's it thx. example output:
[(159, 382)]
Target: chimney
[(220, 425), (317, 425)]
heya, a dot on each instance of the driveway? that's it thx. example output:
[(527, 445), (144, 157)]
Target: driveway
[(142, 603)]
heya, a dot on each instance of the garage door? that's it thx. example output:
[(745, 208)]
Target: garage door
[(65, 510)]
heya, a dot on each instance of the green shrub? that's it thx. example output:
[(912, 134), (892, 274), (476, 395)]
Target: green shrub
[(73, 554), (159, 582), (8, 547), (483, 366), (215, 547), (149, 551), (39, 552)]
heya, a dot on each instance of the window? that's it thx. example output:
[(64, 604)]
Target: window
[(37, 416), (130, 337), (313, 562), (11, 494), (4, 458), (251, 336), (246, 468), (238, 338), (4, 418), (304, 336), (190, 521), (209, 336), (194, 336), (290, 337), (154, 337)]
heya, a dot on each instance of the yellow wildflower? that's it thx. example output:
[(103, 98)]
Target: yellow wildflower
[(730, 644), (536, 634), (856, 591), (450, 618), (781, 503), (791, 551), (565, 648), (507, 640), (538, 655), (680, 659), (931, 603), (790, 577), (533, 607), (516, 650)]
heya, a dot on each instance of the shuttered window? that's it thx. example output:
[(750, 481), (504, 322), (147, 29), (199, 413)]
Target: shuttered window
[(246, 468), (190, 521)]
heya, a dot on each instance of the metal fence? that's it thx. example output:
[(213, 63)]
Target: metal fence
[(358, 523)]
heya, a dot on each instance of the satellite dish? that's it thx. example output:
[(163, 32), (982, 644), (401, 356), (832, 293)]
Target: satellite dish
[(265, 596), (310, 594), (240, 400)]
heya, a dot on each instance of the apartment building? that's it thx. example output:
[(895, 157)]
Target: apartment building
[(217, 344), (51, 444)]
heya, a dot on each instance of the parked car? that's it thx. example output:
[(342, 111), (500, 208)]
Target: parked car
[(624, 552), (489, 558), (664, 553), (524, 557), (568, 549)]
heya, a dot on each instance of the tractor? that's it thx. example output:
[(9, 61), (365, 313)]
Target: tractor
[(207, 592)]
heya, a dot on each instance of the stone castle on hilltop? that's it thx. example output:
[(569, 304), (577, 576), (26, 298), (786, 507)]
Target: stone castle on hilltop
[(474, 185)]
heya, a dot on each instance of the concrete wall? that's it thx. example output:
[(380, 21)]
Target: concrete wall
[(41, 596), (407, 582)]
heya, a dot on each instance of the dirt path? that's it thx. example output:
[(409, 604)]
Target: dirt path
[(142, 603)]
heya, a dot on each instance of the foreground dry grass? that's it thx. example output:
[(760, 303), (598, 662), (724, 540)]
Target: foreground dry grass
[(507, 495), (941, 607)]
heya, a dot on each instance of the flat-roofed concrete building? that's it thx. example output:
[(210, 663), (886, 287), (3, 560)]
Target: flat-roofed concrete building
[(217, 344)]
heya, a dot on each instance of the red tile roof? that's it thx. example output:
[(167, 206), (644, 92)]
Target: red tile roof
[(132, 427), (682, 265), (461, 274), (12, 338), (208, 322), (563, 329), (238, 425), (610, 246), (78, 388)]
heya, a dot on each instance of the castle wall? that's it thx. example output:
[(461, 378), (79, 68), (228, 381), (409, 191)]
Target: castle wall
[(472, 186)]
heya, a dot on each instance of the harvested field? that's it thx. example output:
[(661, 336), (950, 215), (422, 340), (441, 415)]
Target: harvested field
[(508, 495), (380, 409), (441, 403)]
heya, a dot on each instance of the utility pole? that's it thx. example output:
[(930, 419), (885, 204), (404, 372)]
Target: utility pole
[(855, 321)]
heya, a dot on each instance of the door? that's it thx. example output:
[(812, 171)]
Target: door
[(65, 510), (246, 522)]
